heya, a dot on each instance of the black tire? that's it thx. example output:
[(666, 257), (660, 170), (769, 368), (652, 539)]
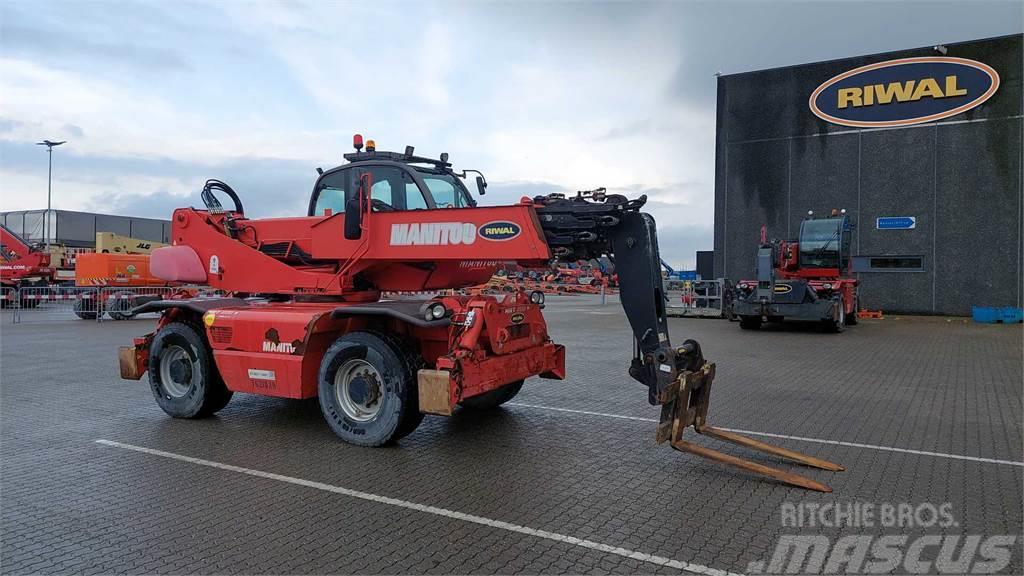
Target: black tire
[(838, 323), (88, 308), (750, 322), (412, 416), (494, 398), (190, 386), (121, 305), (851, 319), (383, 404)]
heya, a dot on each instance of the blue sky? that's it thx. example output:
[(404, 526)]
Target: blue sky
[(155, 97)]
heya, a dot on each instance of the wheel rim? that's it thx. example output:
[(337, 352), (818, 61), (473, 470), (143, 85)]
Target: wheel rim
[(358, 390), (176, 371)]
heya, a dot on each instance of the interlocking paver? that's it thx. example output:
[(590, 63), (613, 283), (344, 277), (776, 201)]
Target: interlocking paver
[(70, 505)]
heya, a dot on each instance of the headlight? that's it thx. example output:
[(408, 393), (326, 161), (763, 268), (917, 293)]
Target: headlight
[(435, 311), (537, 297), (744, 286), (826, 286)]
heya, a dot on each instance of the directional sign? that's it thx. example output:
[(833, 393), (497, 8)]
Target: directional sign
[(896, 223)]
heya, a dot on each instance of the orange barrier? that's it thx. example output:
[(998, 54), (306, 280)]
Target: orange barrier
[(110, 269)]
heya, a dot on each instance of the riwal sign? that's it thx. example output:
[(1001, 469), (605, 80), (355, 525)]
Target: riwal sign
[(904, 92)]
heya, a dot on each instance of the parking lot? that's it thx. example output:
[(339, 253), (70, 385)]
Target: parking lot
[(565, 479)]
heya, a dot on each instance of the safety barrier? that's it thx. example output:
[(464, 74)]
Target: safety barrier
[(7, 297), (53, 303), (705, 298)]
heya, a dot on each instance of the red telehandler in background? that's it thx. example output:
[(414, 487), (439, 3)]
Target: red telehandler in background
[(22, 265), (304, 316), (808, 280)]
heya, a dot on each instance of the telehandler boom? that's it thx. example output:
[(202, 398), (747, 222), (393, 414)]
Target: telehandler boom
[(304, 316)]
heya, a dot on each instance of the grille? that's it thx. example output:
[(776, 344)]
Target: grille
[(221, 334), (518, 331)]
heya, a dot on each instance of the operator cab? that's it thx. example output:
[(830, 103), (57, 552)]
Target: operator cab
[(825, 242), (399, 181)]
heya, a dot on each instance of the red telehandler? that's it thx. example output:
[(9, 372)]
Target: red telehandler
[(22, 265), (304, 317), (808, 280)]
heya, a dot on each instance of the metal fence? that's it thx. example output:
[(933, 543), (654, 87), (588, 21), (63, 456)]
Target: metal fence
[(704, 298), (53, 303)]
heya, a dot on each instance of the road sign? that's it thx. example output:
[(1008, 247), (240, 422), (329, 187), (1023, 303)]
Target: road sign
[(686, 274), (896, 223)]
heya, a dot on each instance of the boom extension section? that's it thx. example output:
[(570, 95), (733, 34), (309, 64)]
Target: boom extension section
[(593, 224)]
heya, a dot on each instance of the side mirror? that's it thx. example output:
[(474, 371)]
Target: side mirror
[(481, 185), (353, 220), (355, 206)]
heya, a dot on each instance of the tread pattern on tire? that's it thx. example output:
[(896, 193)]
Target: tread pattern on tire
[(217, 393), (411, 415)]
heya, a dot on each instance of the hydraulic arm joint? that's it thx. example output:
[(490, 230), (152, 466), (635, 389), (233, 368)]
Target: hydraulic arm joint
[(593, 224)]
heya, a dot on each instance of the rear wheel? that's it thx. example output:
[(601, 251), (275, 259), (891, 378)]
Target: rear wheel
[(750, 322), (182, 374), (493, 398), (838, 322), (121, 304), (367, 389), (87, 306), (851, 318)]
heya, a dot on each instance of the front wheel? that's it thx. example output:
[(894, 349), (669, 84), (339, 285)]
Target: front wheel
[(182, 374), (367, 389), (750, 322), (493, 398)]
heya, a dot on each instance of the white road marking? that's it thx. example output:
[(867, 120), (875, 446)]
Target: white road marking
[(786, 437), (590, 544)]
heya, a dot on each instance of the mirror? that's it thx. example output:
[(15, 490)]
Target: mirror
[(355, 206), (481, 185), (353, 220)]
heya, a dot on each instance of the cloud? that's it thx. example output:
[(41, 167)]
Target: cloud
[(154, 98), (150, 187), (741, 36), (66, 46)]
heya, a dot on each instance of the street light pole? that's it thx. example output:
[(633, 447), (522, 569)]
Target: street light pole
[(49, 188)]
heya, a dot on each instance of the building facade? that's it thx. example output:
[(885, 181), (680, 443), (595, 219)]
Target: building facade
[(78, 229), (921, 147)]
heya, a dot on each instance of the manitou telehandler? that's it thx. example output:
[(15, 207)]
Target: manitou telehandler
[(304, 316), (808, 280)]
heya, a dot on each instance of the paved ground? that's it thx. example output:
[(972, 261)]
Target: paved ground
[(924, 411)]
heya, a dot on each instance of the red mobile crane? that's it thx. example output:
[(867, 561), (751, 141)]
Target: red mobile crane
[(304, 316), (22, 264), (808, 280)]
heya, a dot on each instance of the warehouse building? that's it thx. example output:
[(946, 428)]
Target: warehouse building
[(921, 147), (78, 229)]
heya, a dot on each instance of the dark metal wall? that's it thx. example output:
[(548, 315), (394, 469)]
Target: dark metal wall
[(960, 177), (78, 229)]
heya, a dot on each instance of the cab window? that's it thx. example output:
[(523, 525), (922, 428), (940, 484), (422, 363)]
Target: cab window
[(447, 191), (392, 189), (414, 198), (331, 193), (444, 192)]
